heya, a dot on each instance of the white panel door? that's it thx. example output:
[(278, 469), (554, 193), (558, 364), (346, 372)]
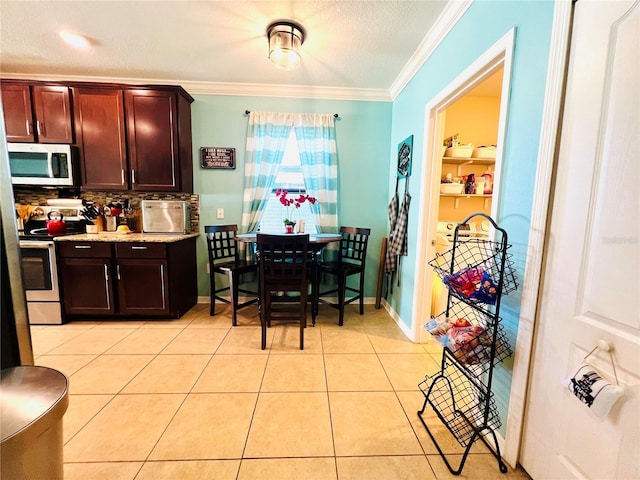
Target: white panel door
[(591, 289)]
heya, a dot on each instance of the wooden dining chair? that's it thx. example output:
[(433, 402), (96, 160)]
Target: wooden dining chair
[(352, 256), (224, 259), (282, 267)]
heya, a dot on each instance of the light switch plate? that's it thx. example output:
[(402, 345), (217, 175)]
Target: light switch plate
[(220, 213)]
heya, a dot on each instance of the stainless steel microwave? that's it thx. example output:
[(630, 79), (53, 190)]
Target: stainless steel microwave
[(41, 164)]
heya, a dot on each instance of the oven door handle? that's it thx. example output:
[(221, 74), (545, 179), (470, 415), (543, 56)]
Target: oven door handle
[(35, 244)]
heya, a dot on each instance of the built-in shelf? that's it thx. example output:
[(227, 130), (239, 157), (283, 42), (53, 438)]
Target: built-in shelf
[(468, 161), (457, 197), (469, 195), (460, 162)]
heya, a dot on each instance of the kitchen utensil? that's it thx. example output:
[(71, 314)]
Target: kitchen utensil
[(55, 225)]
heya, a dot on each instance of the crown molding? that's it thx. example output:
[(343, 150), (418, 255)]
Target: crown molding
[(441, 28), (217, 88), (287, 91)]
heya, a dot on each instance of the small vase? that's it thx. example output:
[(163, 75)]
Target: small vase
[(289, 227)]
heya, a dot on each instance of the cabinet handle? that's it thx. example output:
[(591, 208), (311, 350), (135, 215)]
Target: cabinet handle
[(38, 127), (138, 248), (133, 176), (28, 127), (106, 285), (164, 304), (118, 271), (122, 175), (80, 247)]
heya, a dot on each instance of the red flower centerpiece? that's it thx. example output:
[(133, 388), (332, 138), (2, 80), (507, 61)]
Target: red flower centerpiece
[(290, 204)]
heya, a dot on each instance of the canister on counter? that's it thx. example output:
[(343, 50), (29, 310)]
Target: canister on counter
[(111, 223)]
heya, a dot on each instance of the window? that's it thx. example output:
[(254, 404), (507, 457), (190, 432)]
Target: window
[(289, 178)]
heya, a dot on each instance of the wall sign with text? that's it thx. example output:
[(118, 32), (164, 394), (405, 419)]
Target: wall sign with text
[(405, 152), (218, 157)]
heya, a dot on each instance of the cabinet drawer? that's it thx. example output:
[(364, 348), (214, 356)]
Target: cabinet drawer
[(141, 250), (84, 249)]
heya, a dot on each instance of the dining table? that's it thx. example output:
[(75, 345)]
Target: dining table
[(317, 241)]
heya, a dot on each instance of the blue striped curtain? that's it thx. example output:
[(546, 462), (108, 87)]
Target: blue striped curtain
[(267, 136), (266, 141), (316, 136)]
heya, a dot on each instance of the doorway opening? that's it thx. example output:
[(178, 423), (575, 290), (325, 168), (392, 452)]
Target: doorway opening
[(474, 106), (467, 169)]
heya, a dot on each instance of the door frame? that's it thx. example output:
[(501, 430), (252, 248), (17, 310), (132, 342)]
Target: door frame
[(540, 210)]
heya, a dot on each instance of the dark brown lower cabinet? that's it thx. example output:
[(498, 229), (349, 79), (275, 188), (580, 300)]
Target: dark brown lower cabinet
[(135, 279), (143, 287), (89, 286)]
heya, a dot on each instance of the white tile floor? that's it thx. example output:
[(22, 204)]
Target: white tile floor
[(195, 398)]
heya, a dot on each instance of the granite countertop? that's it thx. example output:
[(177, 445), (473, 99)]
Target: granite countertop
[(128, 237)]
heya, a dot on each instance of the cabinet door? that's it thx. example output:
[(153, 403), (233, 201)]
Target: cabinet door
[(152, 134), (99, 119), (87, 286), (18, 119), (143, 287), (53, 114)]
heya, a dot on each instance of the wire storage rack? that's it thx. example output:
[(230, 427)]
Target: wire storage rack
[(477, 273)]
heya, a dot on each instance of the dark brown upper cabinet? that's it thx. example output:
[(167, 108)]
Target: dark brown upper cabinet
[(99, 118), (159, 140), (136, 139), (37, 113)]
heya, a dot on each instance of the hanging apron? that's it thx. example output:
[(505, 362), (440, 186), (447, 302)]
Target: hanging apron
[(398, 236), (392, 210)]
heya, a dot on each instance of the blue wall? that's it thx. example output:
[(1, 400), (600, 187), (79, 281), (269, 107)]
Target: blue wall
[(368, 134), (363, 134), (484, 23)]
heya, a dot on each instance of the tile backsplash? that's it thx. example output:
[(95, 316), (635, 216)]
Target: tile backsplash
[(39, 196)]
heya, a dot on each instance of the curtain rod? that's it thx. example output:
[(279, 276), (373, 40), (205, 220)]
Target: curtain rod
[(247, 112)]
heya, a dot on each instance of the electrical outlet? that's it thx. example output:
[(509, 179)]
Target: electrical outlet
[(220, 213)]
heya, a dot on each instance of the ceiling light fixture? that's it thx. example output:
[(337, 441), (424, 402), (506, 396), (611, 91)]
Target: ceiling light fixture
[(285, 39), (75, 40)]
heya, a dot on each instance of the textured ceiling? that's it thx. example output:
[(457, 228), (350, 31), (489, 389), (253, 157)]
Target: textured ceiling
[(355, 45)]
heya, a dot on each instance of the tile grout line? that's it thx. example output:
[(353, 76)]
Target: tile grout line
[(326, 382)]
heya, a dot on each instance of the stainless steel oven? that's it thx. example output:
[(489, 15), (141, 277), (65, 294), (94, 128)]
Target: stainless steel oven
[(40, 279)]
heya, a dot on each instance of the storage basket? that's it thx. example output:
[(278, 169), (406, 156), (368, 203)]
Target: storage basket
[(452, 188), (463, 151), (484, 152)]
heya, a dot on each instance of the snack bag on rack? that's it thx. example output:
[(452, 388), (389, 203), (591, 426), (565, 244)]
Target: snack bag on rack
[(440, 329), (473, 283), (486, 290), (470, 344)]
